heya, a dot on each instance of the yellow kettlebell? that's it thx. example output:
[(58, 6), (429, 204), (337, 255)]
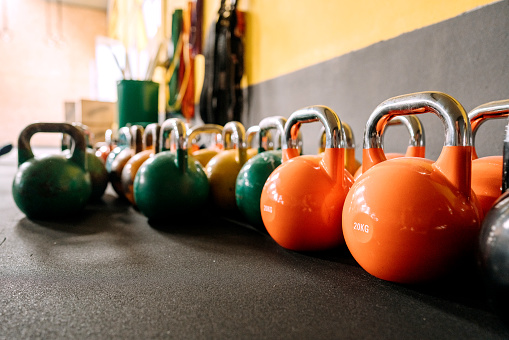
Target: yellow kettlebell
[(222, 169), (205, 155)]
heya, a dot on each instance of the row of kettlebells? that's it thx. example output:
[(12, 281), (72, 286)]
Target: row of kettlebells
[(157, 180), (406, 220)]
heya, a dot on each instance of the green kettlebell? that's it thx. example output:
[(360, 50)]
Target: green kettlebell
[(124, 141), (96, 168), (51, 186), (171, 182), (252, 176)]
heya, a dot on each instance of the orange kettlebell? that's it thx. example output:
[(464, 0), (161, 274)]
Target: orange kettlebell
[(205, 155), (136, 133), (410, 219), (416, 144), (351, 164), (487, 171), (302, 200), (223, 168), (151, 147)]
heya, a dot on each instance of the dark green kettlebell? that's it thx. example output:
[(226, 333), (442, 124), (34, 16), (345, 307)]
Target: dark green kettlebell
[(51, 186), (96, 168), (124, 141), (171, 182), (255, 172)]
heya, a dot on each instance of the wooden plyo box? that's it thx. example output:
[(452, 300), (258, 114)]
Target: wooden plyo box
[(98, 116)]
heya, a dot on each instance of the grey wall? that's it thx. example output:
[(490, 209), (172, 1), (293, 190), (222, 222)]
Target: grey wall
[(466, 57)]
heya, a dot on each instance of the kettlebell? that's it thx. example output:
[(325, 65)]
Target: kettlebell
[(255, 171), (266, 142), (103, 149), (493, 253), (96, 168), (150, 148), (171, 183), (416, 144), (51, 186), (205, 155), (302, 200), (487, 171), (351, 163), (136, 133), (222, 169), (410, 219), (124, 141)]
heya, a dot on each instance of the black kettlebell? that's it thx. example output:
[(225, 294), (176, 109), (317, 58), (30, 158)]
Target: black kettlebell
[(493, 254)]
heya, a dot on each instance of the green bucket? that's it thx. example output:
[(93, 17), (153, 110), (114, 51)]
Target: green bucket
[(138, 102)]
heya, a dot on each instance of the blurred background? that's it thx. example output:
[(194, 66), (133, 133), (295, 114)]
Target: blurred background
[(61, 59)]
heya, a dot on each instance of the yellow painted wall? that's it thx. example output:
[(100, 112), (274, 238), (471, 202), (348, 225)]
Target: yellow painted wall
[(286, 35)]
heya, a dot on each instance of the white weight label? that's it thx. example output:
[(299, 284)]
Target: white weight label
[(361, 227)]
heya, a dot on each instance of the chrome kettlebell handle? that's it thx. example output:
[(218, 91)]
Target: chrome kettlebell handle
[(449, 110), (67, 141), (270, 123), (151, 136), (205, 128), (492, 110), (178, 128), (108, 137), (414, 127), (136, 132), (234, 132), (124, 136), (251, 132), (347, 135), (334, 135)]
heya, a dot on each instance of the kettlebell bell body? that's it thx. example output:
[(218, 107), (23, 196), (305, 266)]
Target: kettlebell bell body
[(254, 174), (302, 200), (124, 142), (51, 186), (493, 254), (98, 174), (171, 182), (123, 157), (487, 171), (99, 177), (410, 219), (151, 147), (222, 170)]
